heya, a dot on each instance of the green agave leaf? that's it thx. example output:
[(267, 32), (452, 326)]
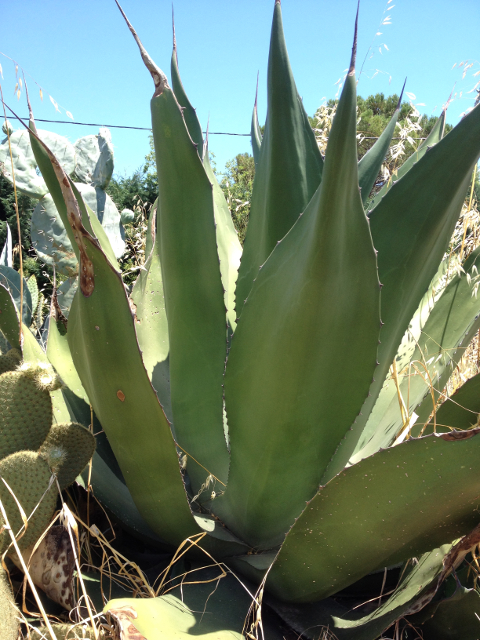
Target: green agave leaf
[(194, 299), (362, 519), (455, 315), (152, 328), (190, 115), (6, 256), (387, 406), (311, 619), (9, 324), (125, 402), (93, 226), (289, 168), (228, 246), (435, 135), (370, 164), (256, 132), (461, 410), (115, 496), (420, 212), (58, 354), (151, 229), (10, 279), (214, 608), (285, 378)]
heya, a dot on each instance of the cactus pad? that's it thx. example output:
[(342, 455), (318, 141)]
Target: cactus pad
[(26, 415), (28, 475), (67, 450)]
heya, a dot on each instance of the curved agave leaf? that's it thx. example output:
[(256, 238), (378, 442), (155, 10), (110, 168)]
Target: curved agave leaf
[(191, 120), (194, 296), (125, 401), (256, 132), (370, 164), (418, 585), (435, 135), (152, 327), (461, 410), (228, 245), (456, 314), (359, 521), (6, 257), (285, 379), (10, 279), (289, 168), (420, 211), (9, 325)]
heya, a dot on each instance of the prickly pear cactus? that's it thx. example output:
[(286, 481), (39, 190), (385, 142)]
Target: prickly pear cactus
[(32, 450)]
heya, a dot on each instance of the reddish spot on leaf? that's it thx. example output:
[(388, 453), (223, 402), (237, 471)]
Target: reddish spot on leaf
[(121, 395)]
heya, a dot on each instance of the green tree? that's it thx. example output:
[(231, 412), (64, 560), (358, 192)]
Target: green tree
[(237, 185), (125, 190)]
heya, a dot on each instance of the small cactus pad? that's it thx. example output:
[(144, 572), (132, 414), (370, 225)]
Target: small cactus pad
[(28, 476), (26, 415), (67, 450)]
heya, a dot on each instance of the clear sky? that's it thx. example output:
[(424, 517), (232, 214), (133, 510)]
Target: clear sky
[(82, 55)]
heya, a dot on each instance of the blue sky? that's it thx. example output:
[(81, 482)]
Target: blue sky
[(82, 55)]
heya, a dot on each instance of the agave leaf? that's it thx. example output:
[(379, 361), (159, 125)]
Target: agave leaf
[(228, 245), (286, 408), (194, 296), (189, 113), (310, 620), (370, 164), (58, 354), (6, 257), (152, 327), (435, 135), (113, 494), (359, 521), (420, 211), (8, 318), (289, 168), (461, 410), (455, 315), (10, 279), (124, 400), (256, 132)]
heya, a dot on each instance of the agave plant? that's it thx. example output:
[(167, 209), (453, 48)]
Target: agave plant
[(250, 400)]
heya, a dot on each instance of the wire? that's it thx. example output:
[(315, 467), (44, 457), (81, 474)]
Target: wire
[(120, 126), (210, 133)]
